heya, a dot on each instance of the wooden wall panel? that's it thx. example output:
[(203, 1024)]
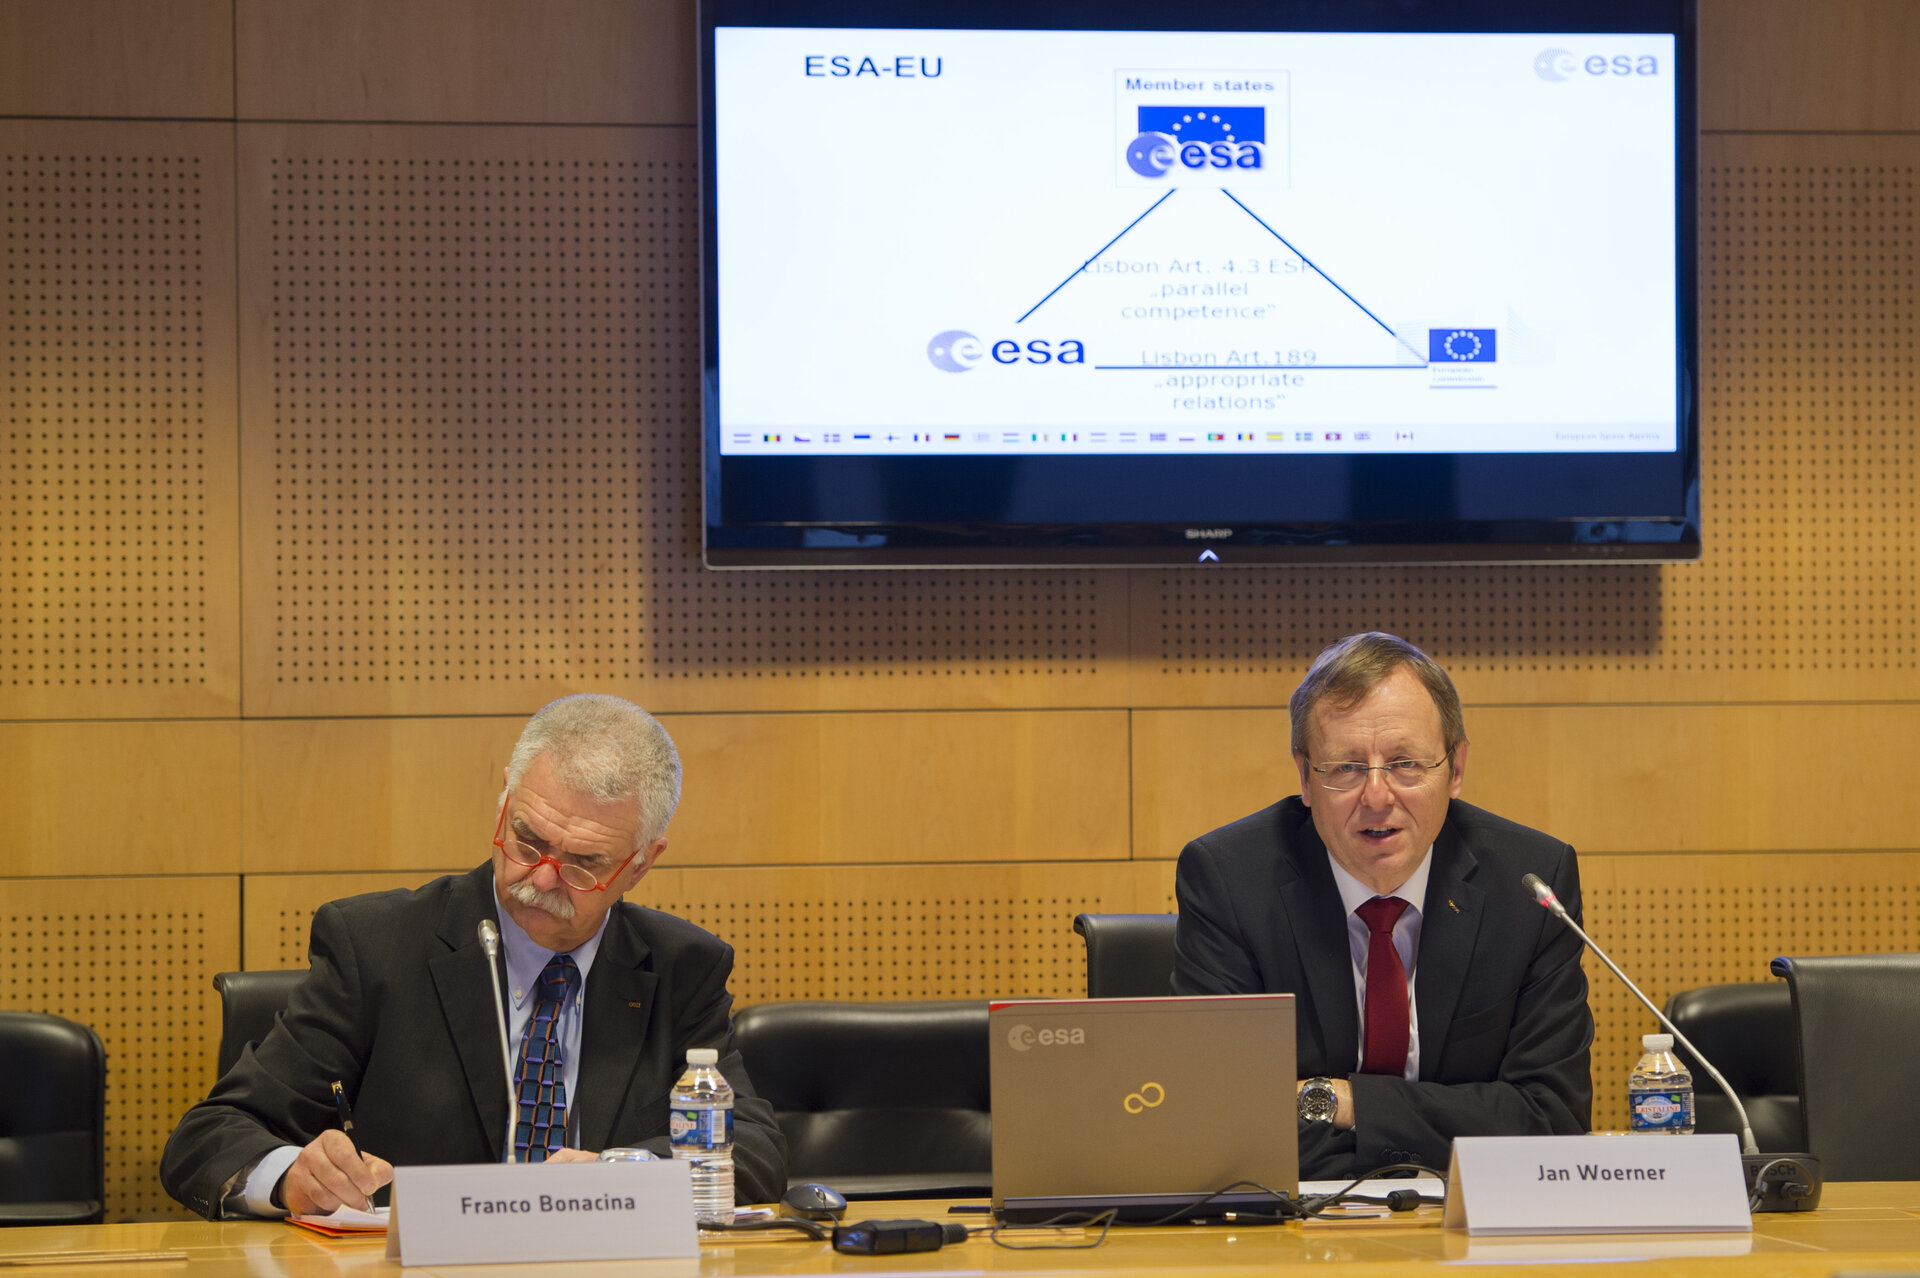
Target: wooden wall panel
[(504, 61), (134, 958), (121, 798), (830, 932), (472, 451), (1631, 779), (1778, 65), (885, 932), (453, 370), (400, 794), (116, 58), (946, 786), (1683, 921), (1810, 344), (356, 795), (278, 909), (118, 498)]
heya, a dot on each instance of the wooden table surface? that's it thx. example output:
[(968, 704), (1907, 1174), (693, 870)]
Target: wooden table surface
[(1861, 1228)]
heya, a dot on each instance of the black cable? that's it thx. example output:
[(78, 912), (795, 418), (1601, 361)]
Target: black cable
[(1319, 1203), (811, 1229), (1788, 1189), (1287, 1209), (1066, 1220), (1398, 1200)]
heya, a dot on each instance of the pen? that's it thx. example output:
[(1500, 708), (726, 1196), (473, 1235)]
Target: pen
[(346, 1122), (346, 1113)]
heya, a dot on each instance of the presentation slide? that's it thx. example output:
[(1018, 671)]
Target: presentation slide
[(1012, 243)]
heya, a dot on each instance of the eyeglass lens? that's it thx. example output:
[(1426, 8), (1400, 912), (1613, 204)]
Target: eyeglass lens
[(575, 876)]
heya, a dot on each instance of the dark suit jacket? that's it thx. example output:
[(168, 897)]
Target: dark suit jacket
[(398, 1007), (1504, 1023)]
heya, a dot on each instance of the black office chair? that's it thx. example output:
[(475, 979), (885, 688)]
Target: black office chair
[(250, 1002), (1128, 955), (1746, 1030), (1858, 1018), (53, 1124), (878, 1100)]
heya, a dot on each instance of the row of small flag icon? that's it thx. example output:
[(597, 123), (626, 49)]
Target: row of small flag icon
[(1074, 437)]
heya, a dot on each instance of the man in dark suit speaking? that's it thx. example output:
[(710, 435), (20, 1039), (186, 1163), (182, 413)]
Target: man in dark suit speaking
[(1435, 998), (603, 1000)]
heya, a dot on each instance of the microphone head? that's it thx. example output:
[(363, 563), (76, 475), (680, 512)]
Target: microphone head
[(489, 937), (1541, 892)]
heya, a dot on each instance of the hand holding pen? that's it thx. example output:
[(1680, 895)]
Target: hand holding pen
[(331, 1173)]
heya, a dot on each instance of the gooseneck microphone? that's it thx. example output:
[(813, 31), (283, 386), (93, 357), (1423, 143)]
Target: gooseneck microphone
[(1775, 1182), (1544, 894), (490, 942)]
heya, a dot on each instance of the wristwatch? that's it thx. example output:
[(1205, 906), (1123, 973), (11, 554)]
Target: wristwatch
[(1318, 1101)]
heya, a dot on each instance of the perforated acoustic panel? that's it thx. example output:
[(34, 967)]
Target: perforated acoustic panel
[(472, 443), (1810, 335), (117, 488), (133, 958), (839, 932), (1675, 922)]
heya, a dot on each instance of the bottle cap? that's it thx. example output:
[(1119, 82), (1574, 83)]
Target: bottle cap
[(711, 1056), (1651, 1042)]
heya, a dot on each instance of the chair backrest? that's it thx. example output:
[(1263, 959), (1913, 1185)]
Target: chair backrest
[(1128, 955), (1859, 1019), (250, 1002), (1747, 1031), (878, 1100), (53, 1123)]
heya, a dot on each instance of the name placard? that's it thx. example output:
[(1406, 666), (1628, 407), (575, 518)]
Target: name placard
[(490, 1213), (1596, 1185)]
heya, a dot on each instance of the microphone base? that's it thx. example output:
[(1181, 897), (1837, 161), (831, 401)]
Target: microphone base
[(1783, 1182)]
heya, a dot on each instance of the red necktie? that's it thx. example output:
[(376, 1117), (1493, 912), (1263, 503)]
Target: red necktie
[(1387, 1028)]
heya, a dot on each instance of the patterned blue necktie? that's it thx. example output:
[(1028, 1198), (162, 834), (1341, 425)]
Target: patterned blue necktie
[(542, 1094)]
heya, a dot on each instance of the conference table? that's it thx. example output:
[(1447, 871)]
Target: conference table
[(1860, 1228)]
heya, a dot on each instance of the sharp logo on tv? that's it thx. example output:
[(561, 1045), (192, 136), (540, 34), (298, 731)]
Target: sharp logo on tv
[(958, 351), (1198, 137)]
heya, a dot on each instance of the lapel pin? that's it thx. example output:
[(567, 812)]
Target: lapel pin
[(630, 1003), (1452, 906)]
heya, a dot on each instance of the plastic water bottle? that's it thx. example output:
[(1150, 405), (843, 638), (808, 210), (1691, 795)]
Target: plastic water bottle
[(700, 1126), (1660, 1090)]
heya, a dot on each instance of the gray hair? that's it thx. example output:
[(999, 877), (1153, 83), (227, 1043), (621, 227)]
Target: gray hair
[(606, 747), (1346, 671)]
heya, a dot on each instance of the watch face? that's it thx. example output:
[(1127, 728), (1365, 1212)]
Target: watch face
[(1318, 1102)]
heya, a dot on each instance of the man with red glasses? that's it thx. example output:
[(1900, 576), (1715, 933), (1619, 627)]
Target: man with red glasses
[(603, 1000)]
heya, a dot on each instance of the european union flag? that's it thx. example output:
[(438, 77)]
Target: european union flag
[(1206, 124), (1460, 345)]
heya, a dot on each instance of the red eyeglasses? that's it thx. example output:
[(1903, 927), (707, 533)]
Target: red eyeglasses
[(577, 877)]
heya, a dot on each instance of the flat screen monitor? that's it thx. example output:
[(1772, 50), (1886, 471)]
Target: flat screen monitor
[(1058, 283)]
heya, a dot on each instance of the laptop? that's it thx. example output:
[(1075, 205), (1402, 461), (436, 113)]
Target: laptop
[(1142, 1106)]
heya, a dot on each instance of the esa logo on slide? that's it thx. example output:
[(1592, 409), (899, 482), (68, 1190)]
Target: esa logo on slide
[(1181, 126), (1198, 137), (956, 351)]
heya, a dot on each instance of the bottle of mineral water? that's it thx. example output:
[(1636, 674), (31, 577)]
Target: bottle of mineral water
[(1660, 1090), (700, 1125)]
